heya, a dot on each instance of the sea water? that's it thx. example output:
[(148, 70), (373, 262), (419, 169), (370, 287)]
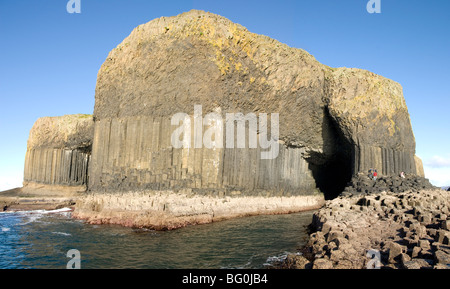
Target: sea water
[(41, 239)]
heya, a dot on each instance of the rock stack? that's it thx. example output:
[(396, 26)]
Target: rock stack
[(59, 150)]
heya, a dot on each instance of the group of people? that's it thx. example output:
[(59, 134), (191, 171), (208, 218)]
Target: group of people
[(373, 174)]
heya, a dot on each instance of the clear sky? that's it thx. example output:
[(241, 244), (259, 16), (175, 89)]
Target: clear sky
[(49, 59)]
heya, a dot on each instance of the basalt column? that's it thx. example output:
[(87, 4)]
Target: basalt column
[(172, 65), (372, 115), (59, 150), (136, 153), (333, 122)]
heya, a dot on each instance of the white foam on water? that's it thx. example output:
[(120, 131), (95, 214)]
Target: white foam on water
[(61, 233), (5, 229), (44, 212), (59, 211), (35, 215), (31, 218), (275, 259)]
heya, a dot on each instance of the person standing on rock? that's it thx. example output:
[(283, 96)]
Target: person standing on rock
[(370, 174), (375, 175), (402, 175)]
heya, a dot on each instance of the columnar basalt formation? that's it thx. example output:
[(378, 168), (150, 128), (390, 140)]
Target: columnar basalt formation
[(135, 153), (333, 123), (58, 151), (407, 230)]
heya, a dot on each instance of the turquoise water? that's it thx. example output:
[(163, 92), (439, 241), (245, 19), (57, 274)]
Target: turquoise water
[(41, 240)]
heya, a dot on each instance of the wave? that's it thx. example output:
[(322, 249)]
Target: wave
[(44, 212), (278, 259), (31, 218), (35, 215), (62, 233), (5, 229)]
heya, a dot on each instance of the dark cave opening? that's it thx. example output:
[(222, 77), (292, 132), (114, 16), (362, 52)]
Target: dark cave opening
[(333, 168), (332, 176)]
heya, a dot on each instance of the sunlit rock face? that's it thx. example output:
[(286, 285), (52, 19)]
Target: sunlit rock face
[(59, 150), (332, 122)]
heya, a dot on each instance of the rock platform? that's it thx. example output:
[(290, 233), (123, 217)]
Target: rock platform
[(398, 230)]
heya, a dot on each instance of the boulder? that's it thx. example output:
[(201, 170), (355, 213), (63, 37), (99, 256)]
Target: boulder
[(446, 225), (394, 250), (415, 252), (294, 261), (417, 264), (441, 257), (424, 244), (322, 264), (443, 237)]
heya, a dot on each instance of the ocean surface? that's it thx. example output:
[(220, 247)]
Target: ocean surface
[(41, 240)]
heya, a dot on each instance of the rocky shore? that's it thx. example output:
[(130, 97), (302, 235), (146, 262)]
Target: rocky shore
[(35, 196), (388, 229), (168, 210)]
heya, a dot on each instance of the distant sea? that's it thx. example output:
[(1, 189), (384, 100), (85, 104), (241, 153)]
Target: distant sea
[(41, 239)]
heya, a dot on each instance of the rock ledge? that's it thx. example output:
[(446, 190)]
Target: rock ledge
[(408, 230)]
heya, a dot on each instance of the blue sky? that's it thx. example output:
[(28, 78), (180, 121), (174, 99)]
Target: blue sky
[(49, 59)]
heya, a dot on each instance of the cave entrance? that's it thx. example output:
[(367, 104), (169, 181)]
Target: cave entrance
[(333, 168), (332, 175)]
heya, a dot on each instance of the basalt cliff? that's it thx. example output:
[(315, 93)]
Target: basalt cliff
[(56, 165), (332, 124), (59, 150)]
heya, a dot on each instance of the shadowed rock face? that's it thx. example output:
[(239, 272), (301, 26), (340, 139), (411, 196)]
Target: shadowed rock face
[(333, 122)]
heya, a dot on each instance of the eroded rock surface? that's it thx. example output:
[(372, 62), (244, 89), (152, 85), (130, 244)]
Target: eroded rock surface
[(364, 184), (58, 150), (407, 230), (167, 210)]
